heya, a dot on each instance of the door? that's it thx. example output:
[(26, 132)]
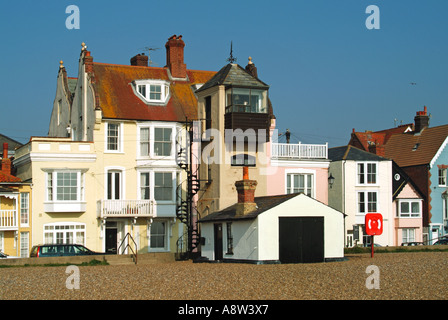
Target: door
[(301, 239), (111, 237), (218, 241)]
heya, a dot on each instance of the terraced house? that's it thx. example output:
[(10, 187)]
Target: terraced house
[(108, 168), (421, 152), (15, 211), (127, 156)]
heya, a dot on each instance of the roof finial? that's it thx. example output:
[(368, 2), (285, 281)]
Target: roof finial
[(61, 64), (231, 59), (250, 60), (84, 47)]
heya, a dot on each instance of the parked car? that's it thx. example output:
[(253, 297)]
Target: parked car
[(415, 243), (58, 250), (7, 256), (441, 241)]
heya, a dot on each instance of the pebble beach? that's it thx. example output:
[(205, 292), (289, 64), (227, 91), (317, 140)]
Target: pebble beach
[(398, 276)]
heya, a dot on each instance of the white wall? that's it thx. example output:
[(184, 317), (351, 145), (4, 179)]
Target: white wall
[(258, 239)]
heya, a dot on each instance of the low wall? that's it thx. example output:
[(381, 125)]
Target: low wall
[(143, 258)]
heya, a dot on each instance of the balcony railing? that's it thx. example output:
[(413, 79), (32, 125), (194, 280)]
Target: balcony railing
[(125, 208), (289, 151), (8, 220)]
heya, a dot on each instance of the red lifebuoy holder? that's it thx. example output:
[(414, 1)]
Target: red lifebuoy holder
[(374, 224)]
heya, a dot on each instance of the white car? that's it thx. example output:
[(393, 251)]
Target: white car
[(5, 256)]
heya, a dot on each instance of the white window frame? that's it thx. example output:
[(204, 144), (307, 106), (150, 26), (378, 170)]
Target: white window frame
[(406, 235), (442, 177), (25, 209), (409, 214), (365, 174), (148, 84), (64, 228), (302, 172), (119, 139), (55, 205), (152, 150), (166, 244), (366, 201), (122, 183), (24, 244), (151, 185)]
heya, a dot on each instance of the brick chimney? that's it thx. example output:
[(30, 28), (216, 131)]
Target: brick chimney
[(421, 120), (246, 194), (140, 60), (6, 162), (175, 57)]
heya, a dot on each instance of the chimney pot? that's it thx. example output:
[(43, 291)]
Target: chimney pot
[(140, 60), (175, 57), (421, 120)]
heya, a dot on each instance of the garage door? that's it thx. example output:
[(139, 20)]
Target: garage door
[(301, 239)]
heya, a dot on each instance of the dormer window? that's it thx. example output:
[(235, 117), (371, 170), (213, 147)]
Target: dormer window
[(151, 91)]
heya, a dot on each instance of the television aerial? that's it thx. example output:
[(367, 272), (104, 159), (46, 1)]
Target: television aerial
[(149, 49)]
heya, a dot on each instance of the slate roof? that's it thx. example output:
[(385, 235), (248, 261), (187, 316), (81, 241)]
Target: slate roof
[(352, 153), (400, 147), (263, 203), (234, 75), (117, 99), (12, 144)]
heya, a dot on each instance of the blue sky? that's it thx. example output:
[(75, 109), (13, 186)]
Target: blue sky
[(327, 72)]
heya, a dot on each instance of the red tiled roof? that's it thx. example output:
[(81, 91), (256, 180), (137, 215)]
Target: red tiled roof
[(8, 178), (426, 144), (118, 100), (362, 140)]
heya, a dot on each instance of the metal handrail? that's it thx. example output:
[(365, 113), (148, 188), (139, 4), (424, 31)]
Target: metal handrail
[(128, 246)]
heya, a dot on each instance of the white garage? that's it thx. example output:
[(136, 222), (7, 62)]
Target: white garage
[(292, 228)]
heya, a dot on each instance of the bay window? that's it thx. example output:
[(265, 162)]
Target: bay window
[(65, 191), (409, 209), (246, 100)]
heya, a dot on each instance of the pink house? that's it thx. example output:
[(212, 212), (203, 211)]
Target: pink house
[(298, 168), (408, 203)]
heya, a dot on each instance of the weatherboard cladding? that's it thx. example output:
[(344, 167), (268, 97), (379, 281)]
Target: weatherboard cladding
[(117, 99)]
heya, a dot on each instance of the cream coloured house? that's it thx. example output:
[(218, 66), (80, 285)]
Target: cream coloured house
[(109, 170)]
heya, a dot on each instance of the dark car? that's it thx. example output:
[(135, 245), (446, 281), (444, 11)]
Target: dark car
[(58, 250), (415, 243), (441, 241)]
